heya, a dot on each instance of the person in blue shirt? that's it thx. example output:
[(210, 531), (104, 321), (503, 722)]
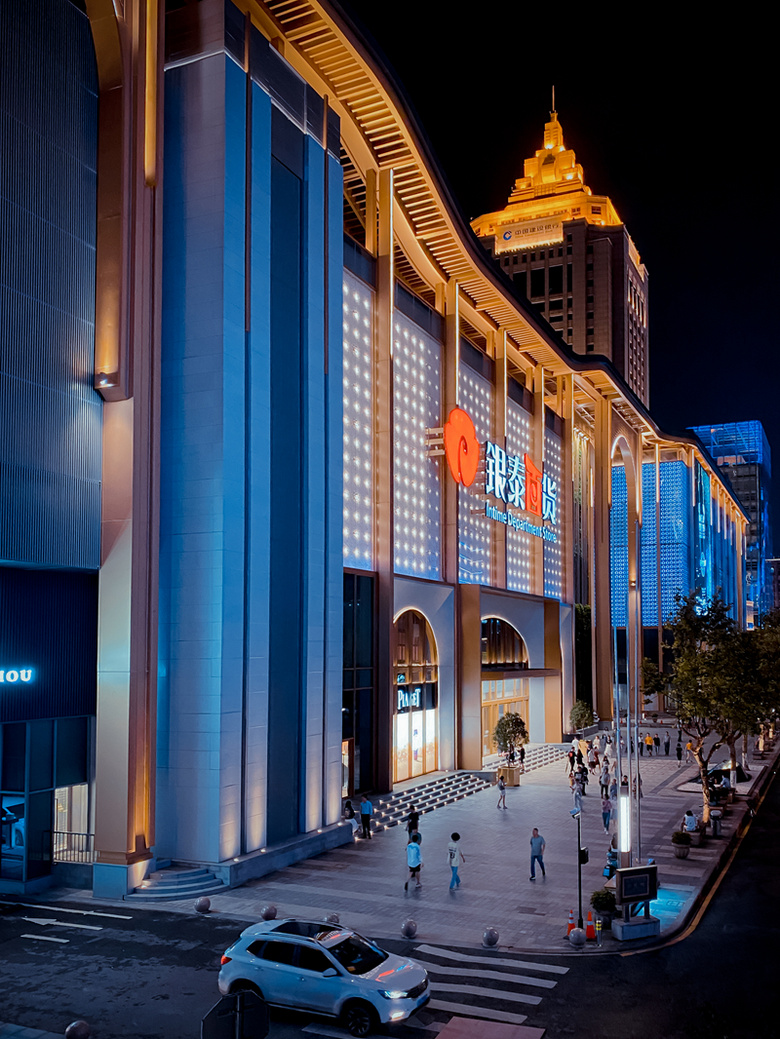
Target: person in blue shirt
[(413, 860), (537, 851)]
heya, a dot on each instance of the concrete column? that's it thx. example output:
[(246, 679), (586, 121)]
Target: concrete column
[(128, 339), (384, 533), (602, 614)]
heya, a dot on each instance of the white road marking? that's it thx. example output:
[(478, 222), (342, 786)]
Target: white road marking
[(478, 990), (447, 954), (45, 938), (495, 975), (62, 909), (44, 921), (486, 1015)]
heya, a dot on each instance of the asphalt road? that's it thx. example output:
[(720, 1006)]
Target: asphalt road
[(152, 975)]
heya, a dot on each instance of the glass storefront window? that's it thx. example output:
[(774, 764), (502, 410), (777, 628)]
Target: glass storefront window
[(415, 697)]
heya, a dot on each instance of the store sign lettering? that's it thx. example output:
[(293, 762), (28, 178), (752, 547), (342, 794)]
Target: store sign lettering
[(519, 523), (520, 483), (511, 480), (409, 698), (16, 675)]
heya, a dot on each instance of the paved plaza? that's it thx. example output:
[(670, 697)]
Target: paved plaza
[(364, 882)]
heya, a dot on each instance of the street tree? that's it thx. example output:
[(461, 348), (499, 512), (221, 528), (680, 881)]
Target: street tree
[(581, 715), (701, 689), (510, 731)]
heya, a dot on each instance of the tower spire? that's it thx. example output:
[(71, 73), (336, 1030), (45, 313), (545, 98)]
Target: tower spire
[(553, 112)]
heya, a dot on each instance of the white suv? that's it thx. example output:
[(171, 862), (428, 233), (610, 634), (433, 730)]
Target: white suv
[(306, 965)]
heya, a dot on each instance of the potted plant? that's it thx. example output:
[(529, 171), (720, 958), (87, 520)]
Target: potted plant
[(603, 903), (681, 843)]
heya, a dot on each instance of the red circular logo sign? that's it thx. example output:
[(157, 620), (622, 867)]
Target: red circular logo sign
[(461, 447)]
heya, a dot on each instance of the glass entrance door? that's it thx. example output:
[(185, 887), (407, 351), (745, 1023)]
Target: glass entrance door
[(415, 691)]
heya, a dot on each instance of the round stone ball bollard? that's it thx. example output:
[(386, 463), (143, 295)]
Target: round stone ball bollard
[(490, 938), (409, 928), (268, 913), (78, 1030), (203, 905), (577, 938), (331, 918)]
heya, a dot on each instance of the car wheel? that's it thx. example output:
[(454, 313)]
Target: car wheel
[(359, 1019), (246, 986)]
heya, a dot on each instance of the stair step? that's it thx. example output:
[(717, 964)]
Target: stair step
[(156, 894)]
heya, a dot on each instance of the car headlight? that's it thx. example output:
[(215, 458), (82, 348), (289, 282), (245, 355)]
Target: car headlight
[(395, 994)]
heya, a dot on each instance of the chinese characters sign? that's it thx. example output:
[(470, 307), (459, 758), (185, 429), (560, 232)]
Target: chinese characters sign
[(520, 483)]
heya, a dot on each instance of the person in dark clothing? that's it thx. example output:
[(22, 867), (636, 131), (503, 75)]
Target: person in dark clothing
[(413, 822)]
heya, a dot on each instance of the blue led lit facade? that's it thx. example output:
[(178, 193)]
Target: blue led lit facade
[(696, 551), (742, 451)]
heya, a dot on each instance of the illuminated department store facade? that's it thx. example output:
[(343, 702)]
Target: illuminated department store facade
[(351, 485)]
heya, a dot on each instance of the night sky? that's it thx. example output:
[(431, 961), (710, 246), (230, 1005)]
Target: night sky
[(675, 121)]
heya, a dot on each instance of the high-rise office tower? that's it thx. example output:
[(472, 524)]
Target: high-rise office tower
[(741, 450), (571, 255)]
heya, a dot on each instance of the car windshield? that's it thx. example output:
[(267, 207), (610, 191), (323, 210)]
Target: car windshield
[(357, 956)]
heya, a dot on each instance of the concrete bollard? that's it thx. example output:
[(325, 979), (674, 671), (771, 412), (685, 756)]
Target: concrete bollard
[(268, 913), (490, 938), (577, 938), (78, 1030), (203, 905), (409, 928), (331, 918)]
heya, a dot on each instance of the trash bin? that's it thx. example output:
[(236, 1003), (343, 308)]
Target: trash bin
[(716, 816)]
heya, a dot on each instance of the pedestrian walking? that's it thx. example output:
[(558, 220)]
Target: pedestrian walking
[(688, 749), (571, 759), (657, 744), (606, 811), (678, 750), (366, 811), (613, 788), (667, 744), (592, 761), (604, 780), (522, 758), (413, 861), (649, 745), (537, 852), (641, 745), (501, 792), (577, 795), (413, 822), (454, 857)]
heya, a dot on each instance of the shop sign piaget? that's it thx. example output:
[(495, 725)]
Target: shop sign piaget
[(511, 481)]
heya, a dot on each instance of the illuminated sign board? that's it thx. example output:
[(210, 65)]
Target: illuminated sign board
[(511, 480), (12, 674), (528, 233), (409, 698)]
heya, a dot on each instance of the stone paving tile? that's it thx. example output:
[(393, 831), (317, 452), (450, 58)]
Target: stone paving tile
[(363, 882)]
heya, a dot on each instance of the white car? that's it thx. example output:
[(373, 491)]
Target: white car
[(325, 968)]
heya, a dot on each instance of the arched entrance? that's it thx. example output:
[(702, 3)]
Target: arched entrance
[(415, 697), (504, 687)]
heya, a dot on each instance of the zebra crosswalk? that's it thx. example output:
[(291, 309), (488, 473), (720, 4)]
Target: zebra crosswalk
[(491, 985), (469, 985)]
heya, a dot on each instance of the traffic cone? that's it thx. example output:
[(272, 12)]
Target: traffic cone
[(590, 928), (571, 924)]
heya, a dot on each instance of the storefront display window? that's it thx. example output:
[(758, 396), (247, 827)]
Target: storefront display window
[(504, 654), (415, 697)]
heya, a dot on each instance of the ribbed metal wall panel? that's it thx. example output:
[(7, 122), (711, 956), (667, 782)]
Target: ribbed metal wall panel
[(48, 624), (50, 415)]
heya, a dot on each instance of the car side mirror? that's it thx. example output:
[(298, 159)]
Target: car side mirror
[(331, 972)]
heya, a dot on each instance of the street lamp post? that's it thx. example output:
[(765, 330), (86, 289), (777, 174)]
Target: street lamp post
[(578, 816)]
